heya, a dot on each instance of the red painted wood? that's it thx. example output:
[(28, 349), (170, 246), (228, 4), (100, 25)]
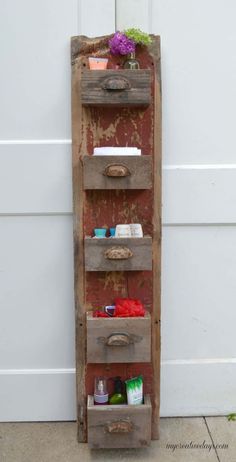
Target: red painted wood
[(119, 127)]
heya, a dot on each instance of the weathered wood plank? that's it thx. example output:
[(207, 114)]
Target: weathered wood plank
[(97, 254), (139, 172), (119, 88), (136, 332), (98, 126), (79, 291), (117, 426), (156, 251), (87, 46)]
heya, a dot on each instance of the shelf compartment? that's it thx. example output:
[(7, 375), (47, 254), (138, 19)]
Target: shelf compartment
[(122, 88), (117, 172), (119, 426), (118, 340), (118, 254)]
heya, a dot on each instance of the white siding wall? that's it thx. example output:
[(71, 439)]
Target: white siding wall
[(199, 192), (37, 379)]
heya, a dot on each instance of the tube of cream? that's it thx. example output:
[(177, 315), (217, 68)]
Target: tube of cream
[(134, 390)]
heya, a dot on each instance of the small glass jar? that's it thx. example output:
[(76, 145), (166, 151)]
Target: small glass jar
[(131, 62), (100, 391)]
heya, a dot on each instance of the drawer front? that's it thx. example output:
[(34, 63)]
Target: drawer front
[(119, 426), (118, 340), (116, 87), (114, 254), (117, 172)]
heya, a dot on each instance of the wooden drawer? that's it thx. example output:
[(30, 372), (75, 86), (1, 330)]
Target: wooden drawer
[(118, 254), (118, 340), (117, 172), (116, 426), (116, 87)]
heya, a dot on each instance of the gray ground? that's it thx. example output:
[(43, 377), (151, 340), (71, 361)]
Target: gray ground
[(56, 442)]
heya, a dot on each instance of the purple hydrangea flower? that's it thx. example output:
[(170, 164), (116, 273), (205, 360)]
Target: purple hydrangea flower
[(120, 44)]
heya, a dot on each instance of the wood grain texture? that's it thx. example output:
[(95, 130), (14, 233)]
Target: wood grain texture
[(118, 126), (79, 290), (97, 259), (157, 171), (101, 330), (116, 426), (119, 88), (95, 172), (88, 46)]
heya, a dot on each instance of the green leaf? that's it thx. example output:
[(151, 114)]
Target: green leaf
[(139, 37), (231, 416)]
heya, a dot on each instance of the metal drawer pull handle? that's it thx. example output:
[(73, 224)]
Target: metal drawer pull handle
[(116, 83), (116, 170), (118, 253), (118, 339), (120, 426)]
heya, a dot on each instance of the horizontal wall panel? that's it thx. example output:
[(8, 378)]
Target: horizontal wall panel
[(35, 178), (35, 68), (36, 292), (198, 79), (186, 390), (198, 389), (37, 395), (199, 194), (198, 292)]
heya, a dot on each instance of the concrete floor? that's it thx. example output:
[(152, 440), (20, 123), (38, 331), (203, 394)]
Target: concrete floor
[(56, 442)]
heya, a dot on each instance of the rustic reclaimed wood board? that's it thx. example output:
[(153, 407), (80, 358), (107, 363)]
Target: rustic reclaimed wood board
[(118, 254), (118, 340), (96, 126), (116, 426), (97, 171), (120, 88)]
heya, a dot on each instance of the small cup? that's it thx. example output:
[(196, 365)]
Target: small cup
[(123, 231), (136, 230), (100, 232), (97, 63), (109, 309), (112, 232)]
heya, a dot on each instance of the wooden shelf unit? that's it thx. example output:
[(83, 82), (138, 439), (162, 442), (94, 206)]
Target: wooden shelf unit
[(116, 108), (103, 346), (117, 172), (127, 427), (117, 88), (101, 254)]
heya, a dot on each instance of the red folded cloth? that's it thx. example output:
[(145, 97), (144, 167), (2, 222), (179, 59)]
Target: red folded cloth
[(128, 307), (100, 314), (124, 308)]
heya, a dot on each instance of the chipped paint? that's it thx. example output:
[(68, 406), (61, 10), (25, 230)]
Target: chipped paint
[(112, 127)]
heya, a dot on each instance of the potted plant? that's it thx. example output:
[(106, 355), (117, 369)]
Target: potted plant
[(124, 43)]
